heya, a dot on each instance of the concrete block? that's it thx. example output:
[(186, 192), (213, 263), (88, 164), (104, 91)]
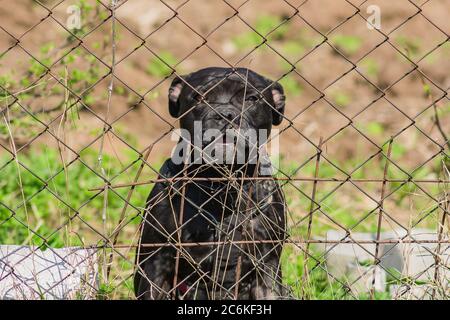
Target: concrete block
[(416, 260), (418, 292), (360, 278), (343, 255), (66, 273), (347, 261)]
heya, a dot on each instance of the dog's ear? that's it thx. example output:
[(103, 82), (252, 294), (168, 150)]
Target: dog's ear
[(279, 100), (174, 95)]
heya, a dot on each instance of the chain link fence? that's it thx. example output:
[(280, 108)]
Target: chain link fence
[(363, 159)]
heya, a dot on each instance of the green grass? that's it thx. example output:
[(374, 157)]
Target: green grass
[(316, 286), (264, 25), (410, 45), (48, 202), (347, 43), (341, 99), (159, 67), (293, 48), (291, 86), (64, 201), (371, 67), (51, 202)]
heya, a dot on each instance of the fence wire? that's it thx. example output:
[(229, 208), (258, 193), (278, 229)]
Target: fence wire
[(362, 172)]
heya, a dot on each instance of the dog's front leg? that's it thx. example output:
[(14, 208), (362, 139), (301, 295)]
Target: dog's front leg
[(268, 283), (154, 281)]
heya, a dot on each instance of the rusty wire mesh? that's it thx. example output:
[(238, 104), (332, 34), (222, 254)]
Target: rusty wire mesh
[(363, 143)]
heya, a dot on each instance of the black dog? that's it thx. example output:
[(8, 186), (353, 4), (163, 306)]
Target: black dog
[(203, 236)]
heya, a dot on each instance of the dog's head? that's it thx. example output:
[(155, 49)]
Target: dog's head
[(226, 100)]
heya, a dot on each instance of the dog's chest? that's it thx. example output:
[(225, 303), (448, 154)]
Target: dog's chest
[(211, 213)]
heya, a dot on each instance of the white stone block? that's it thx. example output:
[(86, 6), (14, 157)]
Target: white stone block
[(342, 255), (418, 292), (30, 273), (416, 260), (362, 279)]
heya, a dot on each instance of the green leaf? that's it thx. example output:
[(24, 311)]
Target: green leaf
[(371, 67), (341, 99), (158, 68), (375, 128), (349, 44), (263, 25), (291, 86)]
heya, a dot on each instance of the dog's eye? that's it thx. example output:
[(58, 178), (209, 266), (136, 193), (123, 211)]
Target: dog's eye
[(252, 98), (197, 97)]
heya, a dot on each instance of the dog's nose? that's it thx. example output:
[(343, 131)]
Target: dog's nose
[(228, 114)]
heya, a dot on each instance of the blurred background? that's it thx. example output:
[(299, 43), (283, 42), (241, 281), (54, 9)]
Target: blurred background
[(375, 102)]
